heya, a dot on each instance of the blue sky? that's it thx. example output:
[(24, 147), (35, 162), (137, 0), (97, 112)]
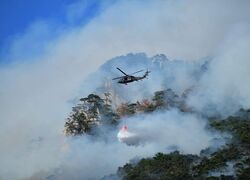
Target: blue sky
[(16, 16)]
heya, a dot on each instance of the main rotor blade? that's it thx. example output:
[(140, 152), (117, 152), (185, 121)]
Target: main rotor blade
[(117, 78), (137, 71), (122, 71)]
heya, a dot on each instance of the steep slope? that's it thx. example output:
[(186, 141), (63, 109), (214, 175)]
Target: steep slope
[(165, 94), (165, 73), (229, 162)]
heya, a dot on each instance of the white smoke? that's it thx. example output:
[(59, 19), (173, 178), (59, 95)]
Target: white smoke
[(171, 128), (158, 132), (35, 95), (224, 88)]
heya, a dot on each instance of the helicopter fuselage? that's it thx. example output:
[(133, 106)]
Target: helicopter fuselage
[(129, 79)]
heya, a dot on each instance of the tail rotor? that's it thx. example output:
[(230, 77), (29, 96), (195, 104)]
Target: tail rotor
[(146, 73)]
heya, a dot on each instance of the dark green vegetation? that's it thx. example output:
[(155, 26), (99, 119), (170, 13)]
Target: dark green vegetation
[(93, 111), (162, 166), (231, 161), (178, 166), (239, 126)]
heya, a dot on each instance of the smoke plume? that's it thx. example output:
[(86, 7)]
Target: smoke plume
[(36, 94)]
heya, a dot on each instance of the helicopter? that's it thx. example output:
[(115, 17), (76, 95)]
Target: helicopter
[(130, 78)]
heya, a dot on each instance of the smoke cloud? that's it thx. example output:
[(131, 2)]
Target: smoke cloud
[(159, 132), (224, 89), (36, 94)]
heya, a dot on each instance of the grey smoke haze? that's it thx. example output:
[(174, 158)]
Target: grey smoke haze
[(171, 128), (35, 95), (162, 132), (179, 75), (224, 88)]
